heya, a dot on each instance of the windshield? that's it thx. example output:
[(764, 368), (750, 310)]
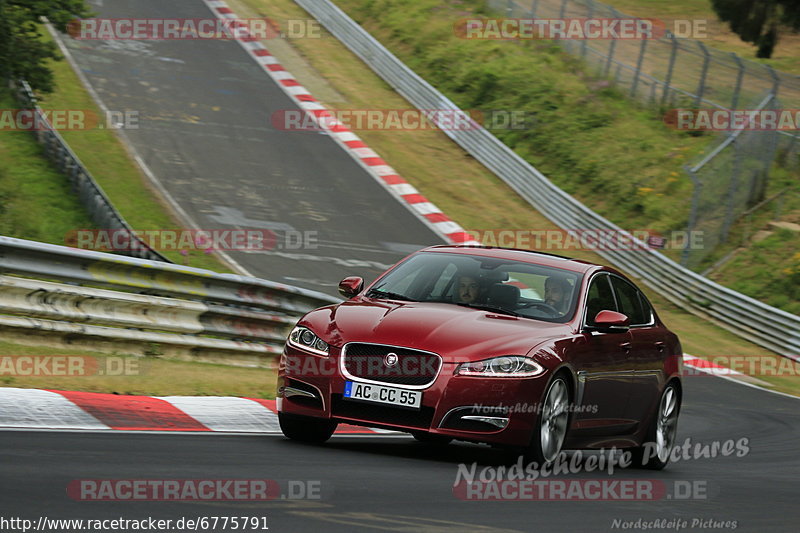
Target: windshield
[(500, 285)]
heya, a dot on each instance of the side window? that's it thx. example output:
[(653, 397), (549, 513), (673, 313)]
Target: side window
[(646, 309), (599, 298), (629, 302)]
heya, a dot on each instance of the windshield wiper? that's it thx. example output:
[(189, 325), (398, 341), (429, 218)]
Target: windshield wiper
[(388, 295), (485, 307)]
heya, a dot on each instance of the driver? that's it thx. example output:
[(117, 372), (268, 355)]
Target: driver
[(556, 291), (468, 289)]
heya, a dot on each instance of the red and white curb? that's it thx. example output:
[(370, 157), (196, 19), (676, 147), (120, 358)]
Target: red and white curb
[(709, 367), (52, 409), (378, 168)]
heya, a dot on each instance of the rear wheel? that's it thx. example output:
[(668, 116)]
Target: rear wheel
[(430, 438), (306, 428), (655, 451), (551, 429)]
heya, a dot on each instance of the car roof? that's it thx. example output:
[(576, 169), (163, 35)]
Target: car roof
[(515, 254)]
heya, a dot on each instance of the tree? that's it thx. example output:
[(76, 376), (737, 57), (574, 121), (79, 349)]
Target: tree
[(23, 54), (759, 21)]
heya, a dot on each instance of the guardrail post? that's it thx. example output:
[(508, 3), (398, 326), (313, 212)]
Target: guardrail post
[(732, 188), (585, 40), (534, 8), (611, 47), (698, 188), (668, 79), (739, 77), (776, 81), (701, 88), (638, 67)]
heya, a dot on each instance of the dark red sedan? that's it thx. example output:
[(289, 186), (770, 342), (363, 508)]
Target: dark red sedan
[(509, 347)]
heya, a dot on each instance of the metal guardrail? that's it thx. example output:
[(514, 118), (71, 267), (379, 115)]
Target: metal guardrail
[(124, 298), (101, 210), (760, 323)]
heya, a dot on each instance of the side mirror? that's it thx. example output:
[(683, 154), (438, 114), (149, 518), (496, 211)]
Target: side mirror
[(610, 322), (351, 286)]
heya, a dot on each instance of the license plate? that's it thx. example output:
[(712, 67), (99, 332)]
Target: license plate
[(368, 392)]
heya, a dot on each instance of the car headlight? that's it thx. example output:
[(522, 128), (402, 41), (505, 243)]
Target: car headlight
[(305, 339), (506, 366)]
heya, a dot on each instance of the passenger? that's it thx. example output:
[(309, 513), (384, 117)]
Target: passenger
[(556, 293)]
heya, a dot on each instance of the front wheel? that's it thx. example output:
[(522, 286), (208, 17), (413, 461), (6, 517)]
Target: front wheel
[(551, 430), (655, 451), (306, 428)]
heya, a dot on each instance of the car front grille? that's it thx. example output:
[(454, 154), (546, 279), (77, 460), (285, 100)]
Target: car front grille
[(412, 367), (381, 414)]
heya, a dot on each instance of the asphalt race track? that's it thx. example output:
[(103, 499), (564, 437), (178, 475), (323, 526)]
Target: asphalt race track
[(228, 168), (390, 483), (205, 130)]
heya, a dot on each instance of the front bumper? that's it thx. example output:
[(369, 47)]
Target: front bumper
[(491, 410)]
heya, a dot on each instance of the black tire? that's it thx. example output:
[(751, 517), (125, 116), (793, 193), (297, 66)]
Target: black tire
[(306, 428), (552, 423), (429, 438), (655, 451)]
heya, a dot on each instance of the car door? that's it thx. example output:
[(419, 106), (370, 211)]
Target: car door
[(647, 347), (602, 364)]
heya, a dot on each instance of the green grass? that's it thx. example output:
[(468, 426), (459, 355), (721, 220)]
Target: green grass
[(769, 271), (35, 200), (147, 376)]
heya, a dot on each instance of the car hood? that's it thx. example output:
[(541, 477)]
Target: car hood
[(456, 333)]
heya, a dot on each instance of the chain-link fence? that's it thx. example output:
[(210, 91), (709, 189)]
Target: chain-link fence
[(671, 73), (668, 72), (730, 179)]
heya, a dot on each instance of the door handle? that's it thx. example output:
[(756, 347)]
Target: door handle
[(661, 345), (625, 346)]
